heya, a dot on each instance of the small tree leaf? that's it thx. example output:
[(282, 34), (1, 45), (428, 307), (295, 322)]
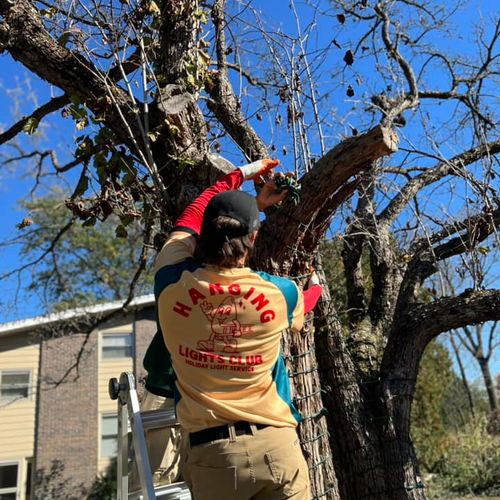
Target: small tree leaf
[(153, 8), (82, 186), (31, 125), (64, 38), (24, 223), (348, 58), (81, 124), (121, 232), (89, 222)]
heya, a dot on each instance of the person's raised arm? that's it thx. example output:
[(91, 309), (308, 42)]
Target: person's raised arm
[(188, 225), (192, 217)]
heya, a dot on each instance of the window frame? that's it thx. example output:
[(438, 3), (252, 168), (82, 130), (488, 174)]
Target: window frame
[(16, 488), (29, 476), (131, 346), (21, 371), (102, 436)]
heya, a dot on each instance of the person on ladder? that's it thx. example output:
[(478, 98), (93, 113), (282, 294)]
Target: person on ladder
[(221, 323)]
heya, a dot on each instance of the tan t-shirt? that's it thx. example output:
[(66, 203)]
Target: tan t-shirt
[(223, 330)]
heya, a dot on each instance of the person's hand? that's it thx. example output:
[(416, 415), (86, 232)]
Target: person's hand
[(259, 170), (313, 280), (269, 195)]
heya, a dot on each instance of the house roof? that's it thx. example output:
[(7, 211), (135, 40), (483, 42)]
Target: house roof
[(80, 312)]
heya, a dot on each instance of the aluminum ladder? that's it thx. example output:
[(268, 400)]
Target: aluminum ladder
[(131, 419)]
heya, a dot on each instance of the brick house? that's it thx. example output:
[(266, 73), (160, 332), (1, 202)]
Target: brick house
[(51, 412)]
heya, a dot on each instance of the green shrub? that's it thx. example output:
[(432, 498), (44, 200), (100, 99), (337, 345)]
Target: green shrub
[(104, 486), (472, 464)]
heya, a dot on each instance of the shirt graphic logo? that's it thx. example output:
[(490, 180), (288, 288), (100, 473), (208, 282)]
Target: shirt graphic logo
[(250, 297), (225, 326)]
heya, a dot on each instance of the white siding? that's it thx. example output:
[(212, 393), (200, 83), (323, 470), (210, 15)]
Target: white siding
[(19, 352)]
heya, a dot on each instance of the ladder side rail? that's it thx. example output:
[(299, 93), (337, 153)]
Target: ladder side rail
[(122, 458), (140, 449)]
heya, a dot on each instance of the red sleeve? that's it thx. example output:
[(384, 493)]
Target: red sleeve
[(192, 217), (311, 296)]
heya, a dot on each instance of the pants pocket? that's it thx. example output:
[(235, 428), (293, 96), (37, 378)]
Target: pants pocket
[(288, 469), (211, 483)]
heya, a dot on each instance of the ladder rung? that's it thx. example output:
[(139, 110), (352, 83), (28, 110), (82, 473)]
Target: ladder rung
[(178, 491), (175, 491), (153, 419)]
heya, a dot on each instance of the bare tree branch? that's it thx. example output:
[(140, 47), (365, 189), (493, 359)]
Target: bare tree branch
[(250, 79), (26, 39), (49, 107), (477, 227), (423, 264), (410, 100), (46, 252), (224, 103), (349, 158), (442, 315), (454, 166), (323, 219), (411, 332)]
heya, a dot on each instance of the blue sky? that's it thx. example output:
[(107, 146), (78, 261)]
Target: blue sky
[(15, 182)]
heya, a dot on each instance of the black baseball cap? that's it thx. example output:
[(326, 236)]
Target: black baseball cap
[(237, 205)]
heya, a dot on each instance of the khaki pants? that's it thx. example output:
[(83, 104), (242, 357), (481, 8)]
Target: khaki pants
[(164, 447), (265, 465)]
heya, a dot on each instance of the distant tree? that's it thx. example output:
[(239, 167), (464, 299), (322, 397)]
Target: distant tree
[(494, 423), (479, 341), (52, 485), (74, 265), (428, 426), (455, 346)]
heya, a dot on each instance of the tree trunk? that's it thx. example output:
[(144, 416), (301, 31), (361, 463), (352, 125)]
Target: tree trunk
[(463, 375), (356, 458), (488, 382), (369, 417), (299, 351)]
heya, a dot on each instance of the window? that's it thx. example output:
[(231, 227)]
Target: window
[(109, 436), (116, 345), (8, 481), (14, 385)]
